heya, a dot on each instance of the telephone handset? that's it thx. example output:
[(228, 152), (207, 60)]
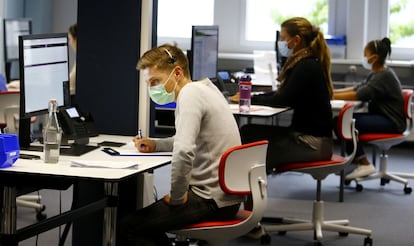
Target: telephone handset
[(76, 125)]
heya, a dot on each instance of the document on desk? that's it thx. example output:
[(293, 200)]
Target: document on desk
[(104, 164), (130, 150)]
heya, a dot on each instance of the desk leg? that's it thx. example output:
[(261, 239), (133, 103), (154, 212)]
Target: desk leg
[(110, 213), (8, 220), (9, 213)]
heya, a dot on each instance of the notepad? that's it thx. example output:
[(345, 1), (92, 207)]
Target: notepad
[(104, 164)]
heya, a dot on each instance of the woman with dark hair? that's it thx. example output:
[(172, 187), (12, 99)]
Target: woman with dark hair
[(382, 91)]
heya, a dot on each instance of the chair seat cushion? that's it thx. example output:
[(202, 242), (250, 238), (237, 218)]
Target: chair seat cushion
[(367, 137), (335, 160), (240, 217)]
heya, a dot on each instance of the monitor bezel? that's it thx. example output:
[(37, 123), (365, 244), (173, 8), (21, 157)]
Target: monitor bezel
[(66, 93), (196, 28)]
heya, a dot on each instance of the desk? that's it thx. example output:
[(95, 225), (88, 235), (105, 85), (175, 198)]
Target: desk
[(29, 172), (258, 111)]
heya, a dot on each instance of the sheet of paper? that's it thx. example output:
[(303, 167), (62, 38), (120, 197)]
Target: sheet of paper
[(104, 164), (129, 149)]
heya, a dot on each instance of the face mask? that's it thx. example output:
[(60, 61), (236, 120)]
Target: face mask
[(365, 63), (284, 48), (159, 95)]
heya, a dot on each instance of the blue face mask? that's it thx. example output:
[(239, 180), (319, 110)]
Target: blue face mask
[(159, 95), (365, 63), (284, 48)]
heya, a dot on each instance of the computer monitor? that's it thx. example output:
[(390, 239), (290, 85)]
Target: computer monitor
[(44, 74), (204, 52), (280, 60), (13, 28)]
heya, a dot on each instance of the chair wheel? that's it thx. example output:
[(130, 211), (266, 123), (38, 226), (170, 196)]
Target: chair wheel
[(384, 181), (407, 190), (343, 234), (265, 239), (359, 187), (368, 241), (40, 216), (42, 209)]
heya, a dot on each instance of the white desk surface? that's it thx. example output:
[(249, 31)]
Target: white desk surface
[(258, 110), (63, 168), (338, 104)]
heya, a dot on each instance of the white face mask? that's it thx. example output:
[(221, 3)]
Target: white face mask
[(284, 48), (159, 95), (365, 63)]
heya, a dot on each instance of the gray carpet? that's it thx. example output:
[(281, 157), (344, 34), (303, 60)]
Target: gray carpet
[(386, 210)]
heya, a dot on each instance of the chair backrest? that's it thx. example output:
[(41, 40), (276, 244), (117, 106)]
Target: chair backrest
[(8, 99), (408, 95), (236, 164), (345, 118)]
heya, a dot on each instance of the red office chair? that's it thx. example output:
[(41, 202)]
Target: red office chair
[(242, 171), (319, 170), (384, 141)]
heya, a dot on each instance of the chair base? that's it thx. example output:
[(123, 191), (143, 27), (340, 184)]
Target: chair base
[(32, 201), (385, 176), (318, 225)]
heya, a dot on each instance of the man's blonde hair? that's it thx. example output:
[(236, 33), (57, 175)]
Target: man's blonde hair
[(165, 58)]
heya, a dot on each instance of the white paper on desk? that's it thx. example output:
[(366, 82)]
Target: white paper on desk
[(129, 149), (104, 164)]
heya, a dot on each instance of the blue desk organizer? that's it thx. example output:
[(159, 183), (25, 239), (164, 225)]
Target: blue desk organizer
[(9, 149)]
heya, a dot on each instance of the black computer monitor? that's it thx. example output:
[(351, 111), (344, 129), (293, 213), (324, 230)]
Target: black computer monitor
[(13, 28), (280, 60), (203, 56), (44, 74)]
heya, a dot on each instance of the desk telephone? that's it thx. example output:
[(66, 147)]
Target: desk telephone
[(76, 125), (227, 83)]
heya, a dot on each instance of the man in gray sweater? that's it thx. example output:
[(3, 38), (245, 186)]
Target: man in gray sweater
[(205, 128)]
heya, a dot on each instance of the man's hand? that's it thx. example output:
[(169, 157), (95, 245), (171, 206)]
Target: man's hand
[(145, 145), (166, 198)]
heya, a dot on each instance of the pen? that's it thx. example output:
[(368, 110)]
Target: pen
[(140, 137), (140, 134)]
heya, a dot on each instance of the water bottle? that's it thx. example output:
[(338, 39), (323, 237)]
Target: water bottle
[(52, 134), (245, 89)]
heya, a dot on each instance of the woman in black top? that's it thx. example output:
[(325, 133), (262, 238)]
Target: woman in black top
[(306, 87)]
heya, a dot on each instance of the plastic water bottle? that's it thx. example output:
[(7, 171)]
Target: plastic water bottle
[(245, 89), (52, 135)]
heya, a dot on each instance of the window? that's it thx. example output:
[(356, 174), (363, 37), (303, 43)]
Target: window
[(175, 18), (401, 23), (269, 14)]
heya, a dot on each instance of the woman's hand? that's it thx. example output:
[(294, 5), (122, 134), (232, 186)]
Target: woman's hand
[(144, 145)]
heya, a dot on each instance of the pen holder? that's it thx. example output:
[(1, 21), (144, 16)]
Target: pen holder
[(9, 150)]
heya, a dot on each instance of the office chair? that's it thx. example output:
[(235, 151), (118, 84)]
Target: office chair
[(11, 120), (319, 170), (246, 163), (383, 142)]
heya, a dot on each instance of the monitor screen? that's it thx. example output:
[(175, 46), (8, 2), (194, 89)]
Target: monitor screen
[(44, 72), (44, 75), (13, 28), (204, 52)]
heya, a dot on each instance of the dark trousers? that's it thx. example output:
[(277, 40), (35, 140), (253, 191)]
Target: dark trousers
[(285, 145), (147, 226), (370, 123)]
